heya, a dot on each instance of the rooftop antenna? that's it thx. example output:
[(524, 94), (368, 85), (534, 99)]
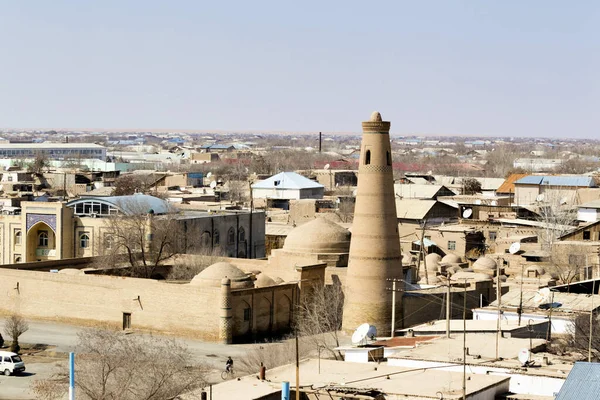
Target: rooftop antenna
[(514, 248), (320, 141), (360, 334), (524, 357)]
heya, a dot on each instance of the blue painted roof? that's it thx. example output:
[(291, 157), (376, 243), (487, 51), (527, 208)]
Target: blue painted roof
[(583, 382), (551, 180), (287, 180)]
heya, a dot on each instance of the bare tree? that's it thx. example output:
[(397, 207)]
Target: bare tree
[(14, 327), (320, 318), (558, 217), (471, 186), (147, 240), (580, 335), (187, 268), (111, 365), (39, 162)]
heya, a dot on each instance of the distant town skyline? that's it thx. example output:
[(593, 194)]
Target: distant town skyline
[(464, 68)]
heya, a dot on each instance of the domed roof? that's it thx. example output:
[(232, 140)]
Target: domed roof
[(320, 236), (433, 258), (264, 280), (451, 259), (212, 276), (484, 263)]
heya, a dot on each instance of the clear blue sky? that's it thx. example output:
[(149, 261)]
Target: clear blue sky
[(511, 67)]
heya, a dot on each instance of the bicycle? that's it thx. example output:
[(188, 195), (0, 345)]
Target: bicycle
[(228, 374)]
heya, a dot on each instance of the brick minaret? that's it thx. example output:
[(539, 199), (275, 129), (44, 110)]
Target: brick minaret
[(375, 245)]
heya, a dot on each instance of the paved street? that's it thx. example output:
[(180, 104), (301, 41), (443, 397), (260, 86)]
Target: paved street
[(64, 337)]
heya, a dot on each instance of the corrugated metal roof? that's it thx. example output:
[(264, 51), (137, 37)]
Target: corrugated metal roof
[(287, 180), (570, 302), (418, 191), (551, 180), (509, 184), (413, 208), (583, 382)]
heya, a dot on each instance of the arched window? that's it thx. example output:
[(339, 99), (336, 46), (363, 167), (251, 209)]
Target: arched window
[(108, 242), (84, 241), (388, 158), (43, 239), (368, 157), (205, 239), (216, 238), (242, 235), (231, 236), (18, 259), (18, 236)]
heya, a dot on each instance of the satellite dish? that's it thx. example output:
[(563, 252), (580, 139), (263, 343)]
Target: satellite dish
[(360, 334), (209, 175), (372, 333), (539, 197), (213, 184), (467, 213), (326, 166), (478, 202), (542, 296), (523, 356), (514, 248), (494, 203), (563, 200)]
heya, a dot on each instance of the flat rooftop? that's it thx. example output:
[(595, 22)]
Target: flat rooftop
[(482, 351), (28, 146), (393, 381), (472, 326)]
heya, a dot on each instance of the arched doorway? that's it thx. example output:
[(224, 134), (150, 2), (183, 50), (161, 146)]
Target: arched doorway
[(263, 316), (283, 313), (41, 243)]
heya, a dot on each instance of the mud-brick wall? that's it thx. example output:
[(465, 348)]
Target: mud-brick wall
[(94, 299)]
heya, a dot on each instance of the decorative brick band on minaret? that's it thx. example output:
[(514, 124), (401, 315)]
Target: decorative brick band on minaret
[(226, 317), (375, 244)]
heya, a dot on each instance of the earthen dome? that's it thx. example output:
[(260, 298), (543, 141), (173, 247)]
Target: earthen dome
[(433, 258), (319, 236), (212, 276), (451, 259), (264, 280), (484, 263)]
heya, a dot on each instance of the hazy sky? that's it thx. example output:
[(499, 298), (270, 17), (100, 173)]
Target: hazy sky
[(511, 68)]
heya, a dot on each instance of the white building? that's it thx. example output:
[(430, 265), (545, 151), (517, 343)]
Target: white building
[(287, 186), (53, 150)]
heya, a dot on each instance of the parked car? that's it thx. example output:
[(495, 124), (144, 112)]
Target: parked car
[(11, 363)]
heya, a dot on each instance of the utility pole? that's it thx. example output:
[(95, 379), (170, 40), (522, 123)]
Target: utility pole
[(465, 342), (591, 322), (521, 297), (393, 307), (422, 252), (549, 335), (498, 299), (394, 290), (448, 307)]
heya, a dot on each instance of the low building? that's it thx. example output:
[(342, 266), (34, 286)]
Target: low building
[(338, 380), (56, 151), (42, 231), (279, 189), (582, 383)]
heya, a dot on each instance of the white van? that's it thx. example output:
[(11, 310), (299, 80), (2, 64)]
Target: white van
[(11, 363)]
